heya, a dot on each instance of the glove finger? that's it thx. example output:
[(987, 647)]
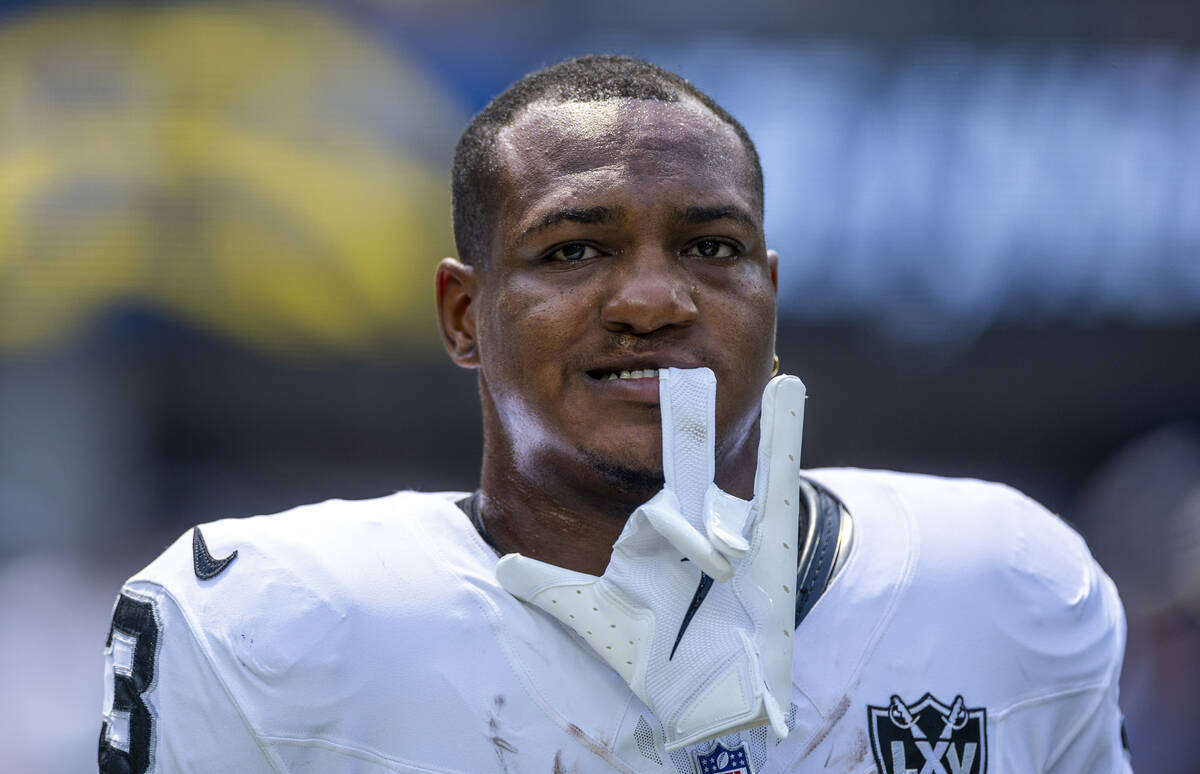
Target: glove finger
[(526, 578), (725, 522), (688, 400), (662, 513), (776, 514), (777, 480)]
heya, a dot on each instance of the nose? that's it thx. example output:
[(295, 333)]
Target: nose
[(648, 290)]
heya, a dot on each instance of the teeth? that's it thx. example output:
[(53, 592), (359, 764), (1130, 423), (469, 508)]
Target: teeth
[(642, 373)]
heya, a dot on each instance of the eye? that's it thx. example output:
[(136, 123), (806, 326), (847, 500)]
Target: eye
[(713, 248), (575, 251)]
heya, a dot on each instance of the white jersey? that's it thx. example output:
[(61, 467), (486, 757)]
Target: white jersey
[(968, 632)]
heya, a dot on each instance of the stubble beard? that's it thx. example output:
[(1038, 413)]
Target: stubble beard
[(628, 481)]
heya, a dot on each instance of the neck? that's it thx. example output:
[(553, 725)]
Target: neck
[(549, 519)]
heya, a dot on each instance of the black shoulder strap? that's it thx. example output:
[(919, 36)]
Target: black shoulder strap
[(815, 567), (470, 506)]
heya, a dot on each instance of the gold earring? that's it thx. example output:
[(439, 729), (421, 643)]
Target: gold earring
[(775, 366)]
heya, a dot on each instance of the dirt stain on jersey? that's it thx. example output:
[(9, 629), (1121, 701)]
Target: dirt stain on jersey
[(559, 768), (599, 748), (838, 713), (499, 743)]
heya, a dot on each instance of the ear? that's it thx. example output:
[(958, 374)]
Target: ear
[(457, 285), (773, 263)]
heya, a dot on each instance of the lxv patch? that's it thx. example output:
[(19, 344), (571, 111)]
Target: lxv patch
[(928, 737)]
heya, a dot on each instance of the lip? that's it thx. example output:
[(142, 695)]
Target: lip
[(638, 390), (640, 362)]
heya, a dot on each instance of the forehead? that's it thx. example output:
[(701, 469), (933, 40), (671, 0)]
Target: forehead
[(556, 154)]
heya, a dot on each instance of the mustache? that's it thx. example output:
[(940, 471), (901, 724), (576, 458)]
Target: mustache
[(619, 346)]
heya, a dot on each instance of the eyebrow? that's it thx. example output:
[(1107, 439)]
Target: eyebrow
[(598, 214), (701, 215)]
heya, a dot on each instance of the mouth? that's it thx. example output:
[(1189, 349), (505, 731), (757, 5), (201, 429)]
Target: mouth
[(606, 375), (636, 369), (636, 382)]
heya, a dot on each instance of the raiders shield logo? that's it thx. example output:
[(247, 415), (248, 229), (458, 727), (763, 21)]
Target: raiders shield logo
[(722, 760), (928, 737)]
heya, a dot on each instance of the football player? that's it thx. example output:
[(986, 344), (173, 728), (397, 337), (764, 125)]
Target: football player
[(675, 594)]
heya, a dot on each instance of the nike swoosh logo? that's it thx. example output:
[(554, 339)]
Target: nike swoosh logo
[(701, 592), (206, 566)]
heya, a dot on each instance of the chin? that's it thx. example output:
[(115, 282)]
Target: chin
[(628, 477)]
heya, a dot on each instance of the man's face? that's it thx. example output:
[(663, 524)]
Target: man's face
[(628, 238)]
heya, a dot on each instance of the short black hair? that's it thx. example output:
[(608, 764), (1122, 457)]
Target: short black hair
[(589, 78)]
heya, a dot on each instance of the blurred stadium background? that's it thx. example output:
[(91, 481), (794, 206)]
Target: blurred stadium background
[(219, 221)]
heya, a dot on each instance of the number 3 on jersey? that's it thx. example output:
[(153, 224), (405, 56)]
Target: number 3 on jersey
[(129, 660)]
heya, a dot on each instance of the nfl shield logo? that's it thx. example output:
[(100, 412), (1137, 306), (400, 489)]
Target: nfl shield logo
[(722, 760), (928, 737)]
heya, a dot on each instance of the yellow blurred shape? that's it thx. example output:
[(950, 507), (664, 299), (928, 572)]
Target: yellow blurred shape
[(266, 170)]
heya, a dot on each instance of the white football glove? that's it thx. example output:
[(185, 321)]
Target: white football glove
[(707, 658)]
